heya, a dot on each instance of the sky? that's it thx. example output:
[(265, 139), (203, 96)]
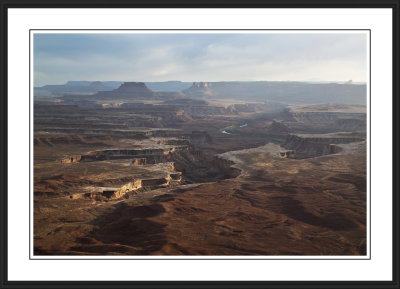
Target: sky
[(146, 57)]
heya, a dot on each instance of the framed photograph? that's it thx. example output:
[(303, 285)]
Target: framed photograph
[(200, 145)]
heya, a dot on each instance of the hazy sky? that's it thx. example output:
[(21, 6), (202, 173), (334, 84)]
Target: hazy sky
[(199, 57)]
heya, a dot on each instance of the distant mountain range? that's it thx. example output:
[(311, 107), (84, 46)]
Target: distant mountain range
[(281, 91), (91, 87), (254, 91)]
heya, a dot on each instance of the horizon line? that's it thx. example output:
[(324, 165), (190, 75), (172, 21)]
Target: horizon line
[(202, 81)]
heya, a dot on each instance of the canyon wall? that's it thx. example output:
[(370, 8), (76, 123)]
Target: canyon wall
[(312, 146)]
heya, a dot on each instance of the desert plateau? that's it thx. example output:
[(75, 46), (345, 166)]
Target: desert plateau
[(222, 168)]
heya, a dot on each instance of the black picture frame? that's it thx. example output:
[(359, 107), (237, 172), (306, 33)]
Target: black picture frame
[(5, 5)]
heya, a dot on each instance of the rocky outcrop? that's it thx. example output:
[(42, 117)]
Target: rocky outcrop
[(133, 187), (129, 187), (306, 146), (199, 89), (171, 166), (139, 162), (71, 159), (93, 196), (225, 166), (147, 183), (150, 156), (176, 176), (155, 182)]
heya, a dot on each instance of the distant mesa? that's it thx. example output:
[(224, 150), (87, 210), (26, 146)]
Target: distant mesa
[(134, 88), (249, 91), (75, 88), (129, 85), (112, 84), (97, 84), (201, 85), (200, 89), (127, 90), (280, 91)]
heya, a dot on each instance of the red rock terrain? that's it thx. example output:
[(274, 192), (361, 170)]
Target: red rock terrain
[(104, 184)]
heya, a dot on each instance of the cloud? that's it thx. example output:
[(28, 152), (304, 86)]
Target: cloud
[(199, 57)]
